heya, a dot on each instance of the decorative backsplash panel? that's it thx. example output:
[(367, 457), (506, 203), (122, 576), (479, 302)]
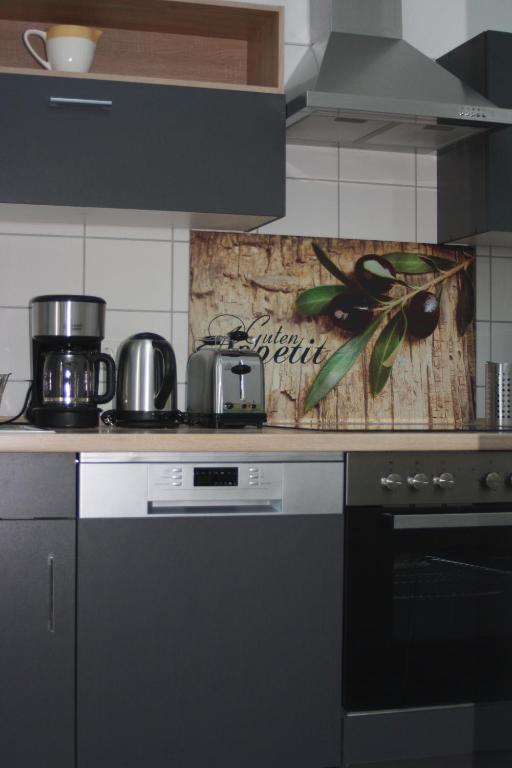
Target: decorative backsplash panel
[(353, 333)]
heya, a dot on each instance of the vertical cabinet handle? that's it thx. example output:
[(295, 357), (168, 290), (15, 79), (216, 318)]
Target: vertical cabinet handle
[(55, 101), (51, 594)]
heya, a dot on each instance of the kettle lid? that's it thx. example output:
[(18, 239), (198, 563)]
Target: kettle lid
[(147, 335)]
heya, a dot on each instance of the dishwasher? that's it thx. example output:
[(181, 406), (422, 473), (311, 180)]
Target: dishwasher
[(209, 610)]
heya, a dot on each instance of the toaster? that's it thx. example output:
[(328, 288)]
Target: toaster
[(226, 385)]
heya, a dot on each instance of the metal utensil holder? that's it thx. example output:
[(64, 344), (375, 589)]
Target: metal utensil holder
[(498, 394), (3, 382)]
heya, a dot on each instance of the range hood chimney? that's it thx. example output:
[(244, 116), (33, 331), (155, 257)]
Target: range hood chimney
[(375, 91)]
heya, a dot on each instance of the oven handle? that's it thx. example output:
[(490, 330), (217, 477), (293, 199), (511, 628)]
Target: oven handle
[(451, 520)]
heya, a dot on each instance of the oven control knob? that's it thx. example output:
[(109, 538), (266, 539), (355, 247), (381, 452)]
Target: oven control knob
[(493, 480), (444, 480), (418, 481), (392, 482)]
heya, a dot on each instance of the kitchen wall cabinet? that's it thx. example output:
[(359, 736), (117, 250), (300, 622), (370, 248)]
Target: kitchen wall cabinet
[(474, 176), (215, 154), (37, 606), (183, 111)]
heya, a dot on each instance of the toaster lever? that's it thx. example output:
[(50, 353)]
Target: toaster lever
[(241, 369)]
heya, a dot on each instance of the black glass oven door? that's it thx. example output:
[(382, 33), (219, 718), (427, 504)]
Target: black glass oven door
[(428, 608)]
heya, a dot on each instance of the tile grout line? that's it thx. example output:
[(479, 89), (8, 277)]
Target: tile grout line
[(171, 315), (339, 191), (415, 196), (490, 303), (171, 287), (362, 183), (84, 255)]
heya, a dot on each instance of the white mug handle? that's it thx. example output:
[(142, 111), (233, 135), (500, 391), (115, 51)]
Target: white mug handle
[(42, 35)]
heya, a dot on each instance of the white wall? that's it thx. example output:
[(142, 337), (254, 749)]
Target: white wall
[(140, 265)]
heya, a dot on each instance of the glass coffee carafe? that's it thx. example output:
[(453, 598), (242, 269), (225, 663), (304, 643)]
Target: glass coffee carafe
[(71, 378)]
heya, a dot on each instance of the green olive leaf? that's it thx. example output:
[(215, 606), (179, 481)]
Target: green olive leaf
[(329, 265), (385, 351), (466, 304), (376, 269), (338, 365), (314, 301), (408, 263)]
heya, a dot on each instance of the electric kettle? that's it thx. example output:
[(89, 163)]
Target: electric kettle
[(146, 383)]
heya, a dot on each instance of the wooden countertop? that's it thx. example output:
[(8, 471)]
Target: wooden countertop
[(268, 439)]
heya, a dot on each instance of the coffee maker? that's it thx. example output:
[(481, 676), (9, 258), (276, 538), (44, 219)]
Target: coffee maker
[(66, 359)]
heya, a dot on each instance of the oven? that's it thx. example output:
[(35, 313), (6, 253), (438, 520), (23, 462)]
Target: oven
[(427, 652)]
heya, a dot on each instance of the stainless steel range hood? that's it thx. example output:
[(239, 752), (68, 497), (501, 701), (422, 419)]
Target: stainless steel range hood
[(375, 91)]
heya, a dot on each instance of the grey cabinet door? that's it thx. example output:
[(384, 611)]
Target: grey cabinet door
[(35, 485), (209, 642), (37, 618), (157, 147)]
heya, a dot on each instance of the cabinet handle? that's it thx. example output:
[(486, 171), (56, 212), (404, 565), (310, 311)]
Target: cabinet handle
[(51, 595), (55, 101)]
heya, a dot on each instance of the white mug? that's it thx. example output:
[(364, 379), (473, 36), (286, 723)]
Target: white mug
[(69, 48)]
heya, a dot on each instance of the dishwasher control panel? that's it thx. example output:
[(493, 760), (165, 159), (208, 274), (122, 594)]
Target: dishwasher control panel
[(157, 485), (214, 481)]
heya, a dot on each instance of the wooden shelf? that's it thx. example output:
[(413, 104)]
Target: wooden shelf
[(180, 42)]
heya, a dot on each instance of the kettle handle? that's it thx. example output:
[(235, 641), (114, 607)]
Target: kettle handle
[(169, 376), (98, 358)]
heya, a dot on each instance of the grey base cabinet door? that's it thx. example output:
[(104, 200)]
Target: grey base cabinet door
[(209, 642), (37, 619)]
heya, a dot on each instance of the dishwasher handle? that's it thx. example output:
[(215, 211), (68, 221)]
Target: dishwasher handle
[(214, 507), (446, 520)]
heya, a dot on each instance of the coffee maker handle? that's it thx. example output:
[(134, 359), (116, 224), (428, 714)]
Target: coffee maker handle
[(169, 375), (99, 358)]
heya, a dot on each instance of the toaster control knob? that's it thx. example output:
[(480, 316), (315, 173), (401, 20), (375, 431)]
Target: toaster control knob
[(418, 481), (493, 480), (392, 482), (228, 406), (444, 480)]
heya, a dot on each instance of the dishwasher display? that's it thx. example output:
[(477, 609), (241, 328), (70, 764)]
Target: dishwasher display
[(209, 476)]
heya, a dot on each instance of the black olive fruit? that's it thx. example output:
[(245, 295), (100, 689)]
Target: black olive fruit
[(351, 312), (422, 314), (374, 273)]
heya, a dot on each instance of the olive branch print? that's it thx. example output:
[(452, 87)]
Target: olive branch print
[(360, 302)]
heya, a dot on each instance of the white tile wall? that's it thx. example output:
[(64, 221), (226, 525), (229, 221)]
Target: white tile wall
[(483, 347), (377, 167), (312, 210), (38, 264), (377, 212), (133, 274), (501, 289)]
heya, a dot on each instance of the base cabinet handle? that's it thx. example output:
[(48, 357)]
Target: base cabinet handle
[(51, 594), (56, 101)]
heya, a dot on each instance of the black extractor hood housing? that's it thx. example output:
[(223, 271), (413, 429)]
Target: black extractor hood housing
[(474, 176), (375, 91)]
